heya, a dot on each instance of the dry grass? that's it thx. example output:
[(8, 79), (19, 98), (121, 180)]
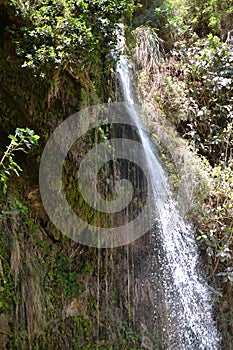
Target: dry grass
[(148, 49)]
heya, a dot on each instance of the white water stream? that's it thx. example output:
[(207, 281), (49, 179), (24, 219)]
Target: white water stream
[(188, 323)]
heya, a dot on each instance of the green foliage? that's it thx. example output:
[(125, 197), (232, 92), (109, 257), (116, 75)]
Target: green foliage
[(207, 112), (162, 18), (216, 230), (65, 276), (205, 16), (129, 337), (56, 33), (7, 292), (194, 91), (16, 207), (158, 15), (22, 140)]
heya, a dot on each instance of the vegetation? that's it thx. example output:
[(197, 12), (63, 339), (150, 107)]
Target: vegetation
[(206, 75), (22, 140), (62, 33), (55, 59), (191, 87)]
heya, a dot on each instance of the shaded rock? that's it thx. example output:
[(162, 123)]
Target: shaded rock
[(4, 331)]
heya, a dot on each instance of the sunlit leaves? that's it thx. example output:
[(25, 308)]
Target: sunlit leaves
[(205, 16), (58, 32)]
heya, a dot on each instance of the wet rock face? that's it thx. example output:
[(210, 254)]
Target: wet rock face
[(148, 293), (4, 331)]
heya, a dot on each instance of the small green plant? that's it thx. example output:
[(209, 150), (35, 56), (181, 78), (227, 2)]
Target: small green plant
[(22, 140)]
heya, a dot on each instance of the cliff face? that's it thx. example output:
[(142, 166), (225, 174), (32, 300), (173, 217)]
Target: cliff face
[(59, 294), (56, 293)]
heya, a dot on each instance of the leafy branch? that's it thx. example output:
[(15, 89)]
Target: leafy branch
[(22, 140)]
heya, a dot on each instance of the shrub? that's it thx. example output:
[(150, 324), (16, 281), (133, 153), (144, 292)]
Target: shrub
[(206, 120)]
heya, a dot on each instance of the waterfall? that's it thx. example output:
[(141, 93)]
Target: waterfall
[(189, 323)]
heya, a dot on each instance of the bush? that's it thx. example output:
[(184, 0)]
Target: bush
[(215, 234), (206, 17), (55, 33), (206, 121)]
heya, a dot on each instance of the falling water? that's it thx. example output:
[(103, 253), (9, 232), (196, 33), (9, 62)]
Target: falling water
[(188, 323)]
